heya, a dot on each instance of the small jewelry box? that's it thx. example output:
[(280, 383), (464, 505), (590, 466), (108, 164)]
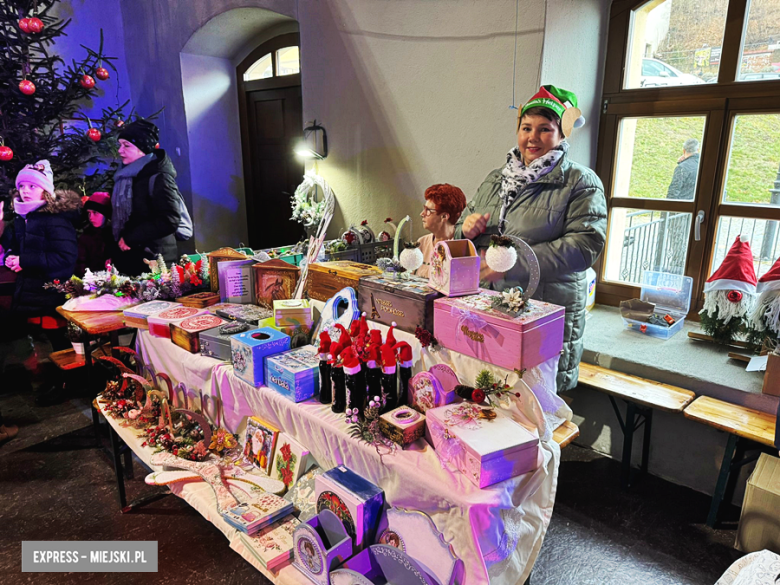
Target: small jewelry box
[(160, 323)]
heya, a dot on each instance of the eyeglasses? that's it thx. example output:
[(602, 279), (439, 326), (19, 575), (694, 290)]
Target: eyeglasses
[(428, 211)]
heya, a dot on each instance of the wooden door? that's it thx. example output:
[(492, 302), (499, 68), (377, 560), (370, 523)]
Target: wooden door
[(275, 124)]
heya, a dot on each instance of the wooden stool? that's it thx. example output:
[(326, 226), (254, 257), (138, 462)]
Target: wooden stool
[(749, 430), (641, 397)]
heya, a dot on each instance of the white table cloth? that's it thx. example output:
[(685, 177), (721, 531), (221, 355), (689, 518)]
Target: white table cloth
[(497, 531)]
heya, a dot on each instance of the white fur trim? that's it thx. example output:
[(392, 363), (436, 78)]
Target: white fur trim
[(767, 286), (579, 122), (352, 371), (726, 284), (743, 238)]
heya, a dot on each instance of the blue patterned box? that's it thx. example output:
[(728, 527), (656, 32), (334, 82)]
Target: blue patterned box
[(249, 350), (356, 501), (294, 374)]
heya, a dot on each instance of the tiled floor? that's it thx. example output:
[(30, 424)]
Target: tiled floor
[(55, 486)]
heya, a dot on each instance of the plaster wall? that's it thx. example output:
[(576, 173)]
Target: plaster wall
[(213, 135)]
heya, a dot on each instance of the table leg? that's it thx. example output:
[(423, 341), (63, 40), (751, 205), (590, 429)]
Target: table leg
[(628, 444), (647, 413), (120, 480), (723, 478)]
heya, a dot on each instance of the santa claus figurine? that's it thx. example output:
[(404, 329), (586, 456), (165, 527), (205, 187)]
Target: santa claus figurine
[(730, 294), (765, 319)]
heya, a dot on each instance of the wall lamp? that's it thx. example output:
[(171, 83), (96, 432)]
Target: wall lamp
[(310, 147)]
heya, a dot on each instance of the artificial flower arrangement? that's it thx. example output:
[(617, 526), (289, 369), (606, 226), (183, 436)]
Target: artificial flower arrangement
[(186, 441), (366, 428), (510, 301), (160, 282), (426, 338), (305, 210), (488, 387)]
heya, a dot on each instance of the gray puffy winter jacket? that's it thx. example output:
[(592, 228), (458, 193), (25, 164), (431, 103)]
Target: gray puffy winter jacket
[(563, 216)]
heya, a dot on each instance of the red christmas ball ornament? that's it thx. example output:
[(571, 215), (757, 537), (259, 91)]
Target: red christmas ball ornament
[(35, 25), (24, 24), (94, 134), (6, 153), (87, 81), (119, 123), (101, 73), (734, 296), (27, 87)]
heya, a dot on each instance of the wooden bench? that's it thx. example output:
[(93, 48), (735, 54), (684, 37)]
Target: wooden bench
[(641, 397), (566, 433), (749, 430)]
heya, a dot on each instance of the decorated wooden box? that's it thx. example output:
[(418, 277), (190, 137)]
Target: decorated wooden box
[(402, 425), (138, 315), (294, 374), (199, 300), (482, 443), (319, 545), (216, 342), (274, 280), (218, 256), (471, 326), (160, 323), (292, 312), (454, 268), (187, 333), (325, 279), (408, 302), (249, 350), (425, 392), (356, 501), (251, 314)]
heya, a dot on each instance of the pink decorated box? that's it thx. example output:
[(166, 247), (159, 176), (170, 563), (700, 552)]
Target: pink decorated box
[(454, 268), (483, 444), (160, 323), (471, 326)]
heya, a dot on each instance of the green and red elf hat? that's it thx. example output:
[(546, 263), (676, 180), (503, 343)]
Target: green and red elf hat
[(560, 101)]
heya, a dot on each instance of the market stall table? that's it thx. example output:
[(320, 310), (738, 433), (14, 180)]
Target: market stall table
[(497, 531)]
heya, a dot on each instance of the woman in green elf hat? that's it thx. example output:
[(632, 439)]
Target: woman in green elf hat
[(555, 205)]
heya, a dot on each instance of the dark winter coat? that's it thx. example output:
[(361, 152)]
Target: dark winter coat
[(563, 216), (45, 242), (96, 245), (153, 221), (683, 185)]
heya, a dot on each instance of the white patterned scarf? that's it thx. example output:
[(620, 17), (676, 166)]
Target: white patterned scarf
[(516, 175), (122, 196)]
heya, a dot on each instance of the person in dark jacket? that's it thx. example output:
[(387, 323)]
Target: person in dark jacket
[(96, 242), (145, 201), (683, 185), (552, 203), (40, 245)]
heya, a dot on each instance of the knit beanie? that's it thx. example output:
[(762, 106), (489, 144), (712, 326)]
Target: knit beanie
[(100, 201), (38, 174), (142, 133)]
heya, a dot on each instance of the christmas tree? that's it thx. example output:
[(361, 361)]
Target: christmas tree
[(41, 98)]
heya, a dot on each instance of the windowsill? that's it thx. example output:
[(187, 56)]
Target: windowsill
[(699, 366)]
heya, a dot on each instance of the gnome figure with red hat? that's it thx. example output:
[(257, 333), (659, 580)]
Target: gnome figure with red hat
[(729, 294), (765, 319)]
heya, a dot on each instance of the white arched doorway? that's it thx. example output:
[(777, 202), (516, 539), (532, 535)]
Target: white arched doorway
[(211, 103)]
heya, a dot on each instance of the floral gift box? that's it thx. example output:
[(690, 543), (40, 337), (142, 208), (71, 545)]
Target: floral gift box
[(473, 326), (249, 350), (484, 444)]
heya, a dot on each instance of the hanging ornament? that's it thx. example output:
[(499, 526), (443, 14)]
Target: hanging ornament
[(101, 73), (94, 134), (385, 236), (119, 123), (412, 257), (6, 153), (24, 25), (501, 256), (27, 87), (35, 25), (87, 81)]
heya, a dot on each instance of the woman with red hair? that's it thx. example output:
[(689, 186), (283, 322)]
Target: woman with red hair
[(443, 205)]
